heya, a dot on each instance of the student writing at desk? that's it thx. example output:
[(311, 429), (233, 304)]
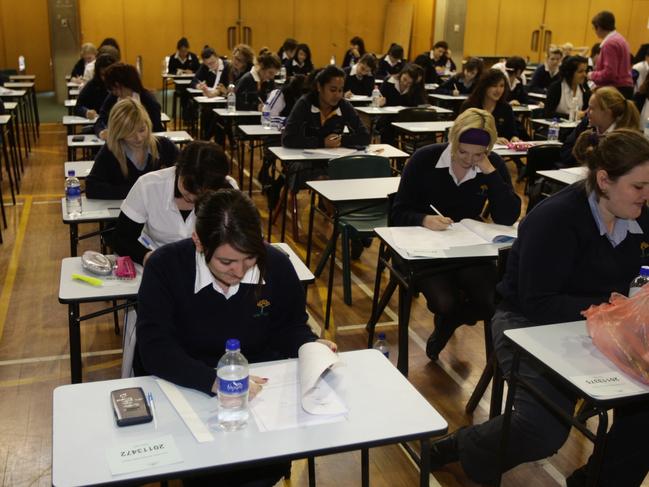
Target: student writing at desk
[(436, 62), (130, 151), (224, 282), (392, 62), (548, 72), (458, 179), (243, 59), (88, 55), (213, 75), (490, 94), (355, 52), (123, 81), (301, 62), (183, 61), (463, 83), (573, 250), (94, 92), (359, 78), (159, 209), (253, 87)]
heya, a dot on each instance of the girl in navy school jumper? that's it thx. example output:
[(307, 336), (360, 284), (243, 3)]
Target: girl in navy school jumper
[(514, 68), (405, 88), (88, 55), (573, 250), (359, 79), (465, 82), (436, 62), (301, 62), (391, 63), (213, 74), (458, 179), (287, 51), (547, 73), (223, 283), (123, 81), (355, 52), (94, 92), (183, 61), (607, 110), (130, 151), (571, 84), (253, 88), (490, 94)]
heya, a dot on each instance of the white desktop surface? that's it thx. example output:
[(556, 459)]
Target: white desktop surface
[(440, 96), (73, 290), (566, 176), (258, 130), (568, 350), (391, 110), (237, 113), (4, 119), (540, 96), (176, 135), (383, 408), (70, 103), (93, 210), (338, 190), (304, 274), (503, 150), (486, 250), (13, 93), (385, 150), (562, 125), (11, 105), (89, 140), (19, 84), (206, 100), (423, 127), (81, 168)]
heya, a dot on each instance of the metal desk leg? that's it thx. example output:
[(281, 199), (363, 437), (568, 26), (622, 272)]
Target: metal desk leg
[(405, 300), (4, 140), (595, 463), (332, 267), (311, 464), (74, 239), (365, 467), (36, 114), (309, 240), (75, 343), (424, 463)]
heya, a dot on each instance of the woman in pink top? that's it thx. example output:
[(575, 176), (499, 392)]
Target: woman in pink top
[(613, 66)]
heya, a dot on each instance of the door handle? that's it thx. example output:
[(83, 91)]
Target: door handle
[(232, 32), (247, 35), (535, 40), (547, 38)]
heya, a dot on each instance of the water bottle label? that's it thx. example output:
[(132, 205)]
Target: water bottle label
[(239, 386), (73, 191)]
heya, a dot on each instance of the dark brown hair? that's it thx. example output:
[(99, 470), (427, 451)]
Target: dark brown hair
[(605, 20), (123, 75), (490, 78), (229, 216), (617, 153), (203, 166)]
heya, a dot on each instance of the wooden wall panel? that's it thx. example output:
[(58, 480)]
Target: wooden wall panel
[(151, 28), (638, 32), (26, 31), (365, 19), (567, 21), (422, 28), (398, 25), (206, 22), (480, 27), (3, 56), (101, 19), (322, 26), (515, 27), (271, 22)]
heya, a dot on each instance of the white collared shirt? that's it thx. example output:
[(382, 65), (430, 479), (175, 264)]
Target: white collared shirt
[(337, 111), (218, 73), (566, 98), (151, 201), (445, 161), (255, 74), (387, 60), (204, 278), (642, 68), (352, 70)]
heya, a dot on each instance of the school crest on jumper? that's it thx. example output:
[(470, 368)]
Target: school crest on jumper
[(644, 249), (262, 308)]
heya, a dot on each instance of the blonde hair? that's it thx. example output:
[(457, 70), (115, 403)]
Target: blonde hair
[(473, 118), (126, 117), (625, 112), (88, 47)]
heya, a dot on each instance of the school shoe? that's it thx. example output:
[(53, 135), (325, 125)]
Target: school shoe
[(444, 451), (439, 338)]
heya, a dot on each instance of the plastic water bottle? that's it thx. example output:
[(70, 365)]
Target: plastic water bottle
[(165, 66), (332, 60), (376, 96), (232, 374), (574, 107), (638, 282), (72, 195), (232, 99), (646, 128), (382, 345), (265, 116), (282, 73), (553, 131)]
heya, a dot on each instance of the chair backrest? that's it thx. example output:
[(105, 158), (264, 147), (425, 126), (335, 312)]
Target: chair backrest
[(360, 167), (418, 114), (540, 158)]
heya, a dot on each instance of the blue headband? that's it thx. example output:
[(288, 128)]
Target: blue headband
[(475, 137)]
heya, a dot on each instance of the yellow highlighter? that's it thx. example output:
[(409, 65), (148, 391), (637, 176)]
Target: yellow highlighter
[(93, 281)]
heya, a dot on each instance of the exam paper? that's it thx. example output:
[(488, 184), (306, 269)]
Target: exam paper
[(205, 405), (420, 241), (279, 405)]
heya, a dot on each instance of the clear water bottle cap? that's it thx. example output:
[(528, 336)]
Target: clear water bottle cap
[(232, 344), (381, 336), (644, 271), (71, 173)]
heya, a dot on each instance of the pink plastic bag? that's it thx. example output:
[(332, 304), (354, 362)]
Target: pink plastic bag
[(620, 330)]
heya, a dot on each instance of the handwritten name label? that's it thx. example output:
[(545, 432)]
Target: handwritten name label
[(143, 455)]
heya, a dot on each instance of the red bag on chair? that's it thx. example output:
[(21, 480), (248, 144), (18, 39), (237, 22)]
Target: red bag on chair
[(620, 330)]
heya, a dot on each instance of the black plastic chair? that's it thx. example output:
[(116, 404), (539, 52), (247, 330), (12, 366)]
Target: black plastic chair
[(410, 143), (539, 158)]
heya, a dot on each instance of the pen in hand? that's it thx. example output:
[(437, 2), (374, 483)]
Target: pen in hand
[(450, 222)]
